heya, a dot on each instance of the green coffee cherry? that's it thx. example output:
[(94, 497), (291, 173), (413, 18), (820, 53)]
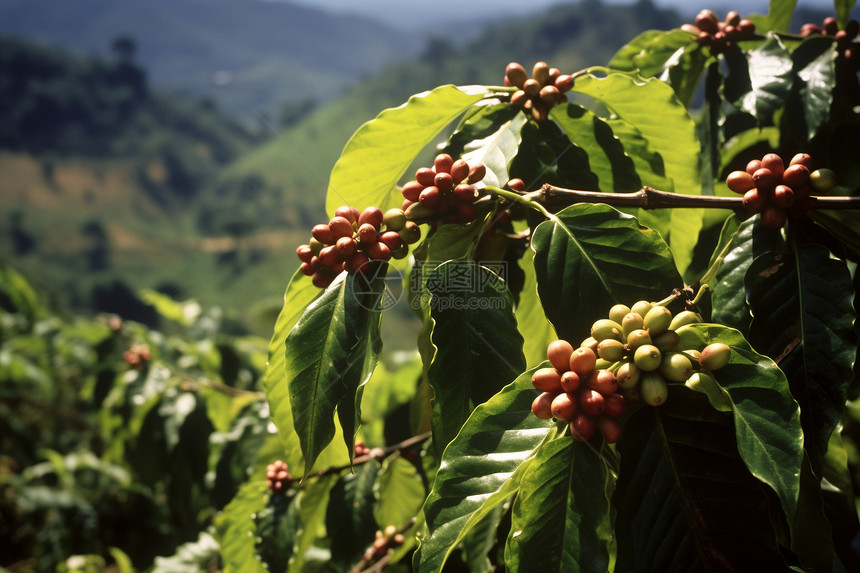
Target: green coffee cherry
[(653, 389), (631, 321), (675, 367), (628, 375), (637, 338), (606, 328), (647, 357), (394, 219), (715, 356), (667, 340), (683, 318), (618, 312), (822, 180), (641, 307), (610, 349), (657, 320)]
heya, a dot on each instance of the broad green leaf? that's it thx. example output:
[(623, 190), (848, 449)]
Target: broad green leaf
[(740, 243), (276, 527), (379, 152), (299, 295), (844, 225), (685, 500), (672, 56), (235, 529), (780, 13), (766, 416), (561, 514), (819, 79), (771, 80), (478, 346), (312, 502), (391, 385), (492, 137), (350, 526), (480, 469), (536, 330), (399, 493), (843, 11), (546, 155), (803, 317), (652, 108), (329, 353), (590, 257)]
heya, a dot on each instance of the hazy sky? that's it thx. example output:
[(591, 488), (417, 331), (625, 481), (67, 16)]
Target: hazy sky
[(406, 12)]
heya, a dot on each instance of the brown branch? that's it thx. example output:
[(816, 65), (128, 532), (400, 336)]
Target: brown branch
[(649, 198), (375, 454)]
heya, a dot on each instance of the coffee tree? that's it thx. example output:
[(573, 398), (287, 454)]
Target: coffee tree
[(636, 290)]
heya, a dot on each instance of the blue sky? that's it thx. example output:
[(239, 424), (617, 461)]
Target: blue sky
[(412, 12)]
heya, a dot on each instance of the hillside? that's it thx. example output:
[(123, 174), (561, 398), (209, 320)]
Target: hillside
[(249, 56)]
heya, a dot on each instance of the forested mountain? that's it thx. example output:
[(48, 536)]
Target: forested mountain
[(250, 56)]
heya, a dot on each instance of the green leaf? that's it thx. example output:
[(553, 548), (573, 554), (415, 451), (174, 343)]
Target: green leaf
[(843, 11), (684, 499), (491, 136), (235, 528), (766, 416), (299, 295), (739, 246), (380, 151), (400, 493), (480, 469), (591, 257), (478, 346), (802, 303), (672, 56), (771, 80), (312, 502), (536, 330), (350, 526), (780, 13), (546, 155), (329, 353), (819, 78), (561, 515)]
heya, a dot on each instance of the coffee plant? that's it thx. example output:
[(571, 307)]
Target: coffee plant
[(635, 289)]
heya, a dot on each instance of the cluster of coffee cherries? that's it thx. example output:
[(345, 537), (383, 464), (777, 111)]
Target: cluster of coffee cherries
[(446, 190), (844, 38), (539, 93), (777, 191), (574, 390), (384, 544), (137, 356), (278, 476), (354, 239), (720, 36), (646, 346)]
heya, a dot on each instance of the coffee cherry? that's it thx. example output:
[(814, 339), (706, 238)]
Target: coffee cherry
[(444, 182), (570, 381), (329, 256), (564, 407), (516, 74), (323, 234), (443, 163), (430, 197), (357, 263), (683, 318), (564, 82), (547, 380), (706, 20), (616, 405), (603, 381), (591, 402), (667, 340), (796, 175), (618, 312), (477, 173), (540, 72), (802, 159), (394, 219), (345, 247), (690, 337), (466, 193), (740, 181), (410, 233), (589, 343), (714, 356), (753, 166), (637, 338), (610, 349), (657, 320), (754, 201), (367, 234), (631, 321), (558, 353), (783, 196), (550, 95), (774, 163), (606, 328), (583, 427), (773, 217), (822, 180), (323, 277), (304, 253), (647, 357), (641, 307), (425, 176), (675, 367), (347, 212), (542, 405), (583, 361), (653, 389), (391, 239), (609, 428), (628, 375)]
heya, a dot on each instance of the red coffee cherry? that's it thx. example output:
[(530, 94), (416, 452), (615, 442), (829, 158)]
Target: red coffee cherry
[(774, 163), (323, 234), (570, 381), (542, 405), (753, 166), (740, 181), (796, 175), (591, 402), (477, 173), (411, 190), (443, 181), (564, 406), (609, 428), (304, 253), (558, 353), (430, 197), (347, 212), (516, 74), (802, 159), (603, 381), (443, 163), (754, 201), (583, 361), (345, 247), (783, 196), (583, 427), (368, 234), (371, 215), (765, 180), (425, 176), (615, 405), (547, 380), (378, 251), (340, 227)]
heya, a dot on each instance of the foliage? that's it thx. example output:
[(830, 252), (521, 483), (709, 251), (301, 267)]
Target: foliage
[(440, 460)]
